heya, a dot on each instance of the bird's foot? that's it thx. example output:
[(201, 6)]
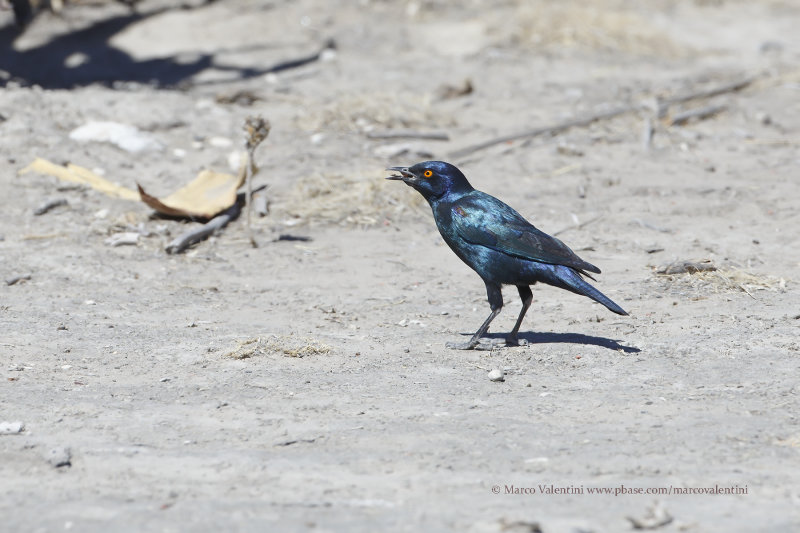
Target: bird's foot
[(476, 344), (515, 341), (461, 345)]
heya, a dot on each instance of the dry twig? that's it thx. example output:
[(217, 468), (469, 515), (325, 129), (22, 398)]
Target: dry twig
[(191, 237), (661, 104), (256, 130), (546, 130), (16, 279), (700, 113), (409, 134), (51, 204), (708, 93), (579, 226)]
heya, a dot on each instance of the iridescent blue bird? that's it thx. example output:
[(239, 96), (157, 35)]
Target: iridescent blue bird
[(497, 243)]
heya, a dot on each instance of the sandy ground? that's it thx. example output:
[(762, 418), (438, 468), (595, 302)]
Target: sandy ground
[(304, 385)]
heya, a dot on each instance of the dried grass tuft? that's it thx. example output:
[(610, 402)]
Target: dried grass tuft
[(732, 280), (366, 111), (349, 200), (722, 281), (293, 346), (612, 25), (288, 345)]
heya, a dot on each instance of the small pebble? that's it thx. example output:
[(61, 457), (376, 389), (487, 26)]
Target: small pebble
[(123, 239), (497, 375), (48, 205), (16, 279), (261, 205), (327, 55), (235, 160), (124, 136), (59, 457), (11, 428), (220, 142), (569, 149)]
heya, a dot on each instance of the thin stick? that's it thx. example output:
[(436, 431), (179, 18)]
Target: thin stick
[(251, 171), (708, 93), (16, 279), (47, 206), (196, 235), (772, 141), (546, 130), (579, 226), (700, 113), (218, 222), (409, 134), (603, 115), (648, 225), (256, 130)]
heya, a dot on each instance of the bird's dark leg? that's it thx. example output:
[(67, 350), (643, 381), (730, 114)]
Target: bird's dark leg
[(496, 303), (527, 297)]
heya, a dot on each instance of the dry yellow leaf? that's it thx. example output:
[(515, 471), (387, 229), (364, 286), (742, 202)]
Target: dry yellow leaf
[(206, 196), (76, 174)]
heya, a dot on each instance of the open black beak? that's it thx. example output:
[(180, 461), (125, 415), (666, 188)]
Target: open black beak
[(404, 173)]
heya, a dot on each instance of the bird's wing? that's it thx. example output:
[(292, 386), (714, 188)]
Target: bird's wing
[(484, 220)]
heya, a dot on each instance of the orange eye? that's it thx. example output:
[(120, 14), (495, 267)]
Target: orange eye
[(427, 173)]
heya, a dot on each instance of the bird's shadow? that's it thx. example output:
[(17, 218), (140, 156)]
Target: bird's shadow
[(569, 338)]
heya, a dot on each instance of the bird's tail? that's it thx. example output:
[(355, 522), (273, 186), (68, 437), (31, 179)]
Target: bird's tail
[(574, 282)]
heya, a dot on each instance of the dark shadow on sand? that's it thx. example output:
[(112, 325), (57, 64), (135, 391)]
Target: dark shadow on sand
[(104, 64), (568, 338)]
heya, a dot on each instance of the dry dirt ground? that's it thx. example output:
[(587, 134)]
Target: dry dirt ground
[(304, 385)]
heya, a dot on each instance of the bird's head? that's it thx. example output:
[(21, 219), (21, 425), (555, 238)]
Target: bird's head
[(432, 179)]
